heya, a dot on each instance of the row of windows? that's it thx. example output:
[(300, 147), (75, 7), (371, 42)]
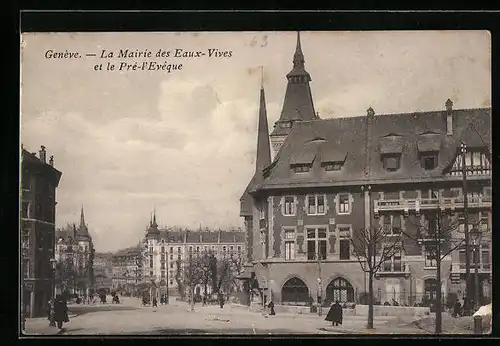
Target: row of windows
[(315, 204), (475, 162), (205, 249), (327, 166), (317, 243)]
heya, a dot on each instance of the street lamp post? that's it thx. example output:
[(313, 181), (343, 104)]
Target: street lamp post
[(53, 263), (476, 241), (463, 150), (320, 289)]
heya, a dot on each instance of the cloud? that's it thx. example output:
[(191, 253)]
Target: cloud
[(185, 142)]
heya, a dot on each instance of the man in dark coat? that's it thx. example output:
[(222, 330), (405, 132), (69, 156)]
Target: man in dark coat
[(60, 311), (335, 314), (271, 307)]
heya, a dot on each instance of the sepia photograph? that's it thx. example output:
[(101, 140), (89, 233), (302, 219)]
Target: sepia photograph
[(255, 183)]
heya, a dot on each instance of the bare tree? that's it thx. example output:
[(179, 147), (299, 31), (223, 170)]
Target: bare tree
[(372, 247), (437, 234)]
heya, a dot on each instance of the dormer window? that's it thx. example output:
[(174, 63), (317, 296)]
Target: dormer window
[(391, 147), (391, 162), (333, 166), (302, 160), (429, 160), (429, 144), (285, 125), (302, 168), (332, 160)]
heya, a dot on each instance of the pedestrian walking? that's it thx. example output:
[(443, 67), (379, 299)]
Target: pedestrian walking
[(60, 311), (155, 302), (204, 300), (457, 309), (271, 307), (335, 314), (221, 301)]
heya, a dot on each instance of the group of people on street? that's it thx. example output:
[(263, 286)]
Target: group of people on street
[(58, 312)]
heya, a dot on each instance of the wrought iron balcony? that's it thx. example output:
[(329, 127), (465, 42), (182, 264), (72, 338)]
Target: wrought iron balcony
[(417, 204)]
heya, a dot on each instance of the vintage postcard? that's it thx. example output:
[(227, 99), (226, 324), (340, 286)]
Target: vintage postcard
[(269, 183)]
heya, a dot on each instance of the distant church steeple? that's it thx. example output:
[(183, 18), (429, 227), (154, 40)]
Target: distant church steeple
[(82, 231), (298, 103), (153, 230)]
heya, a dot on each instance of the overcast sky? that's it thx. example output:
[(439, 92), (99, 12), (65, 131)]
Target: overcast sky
[(185, 141)]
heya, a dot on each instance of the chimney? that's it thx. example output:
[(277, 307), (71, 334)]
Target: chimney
[(449, 117), (51, 161), (43, 154)]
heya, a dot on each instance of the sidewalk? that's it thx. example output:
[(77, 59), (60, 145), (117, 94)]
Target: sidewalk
[(39, 326)]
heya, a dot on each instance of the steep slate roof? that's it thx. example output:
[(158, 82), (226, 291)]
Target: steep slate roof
[(349, 135), (209, 237), (192, 237), (198, 237)]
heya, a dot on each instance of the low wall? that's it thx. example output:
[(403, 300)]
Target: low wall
[(297, 309), (381, 310)]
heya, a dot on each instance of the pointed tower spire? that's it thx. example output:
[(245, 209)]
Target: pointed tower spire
[(154, 224), (262, 77), (298, 57), (82, 218), (82, 229), (263, 148), (263, 158), (298, 103)]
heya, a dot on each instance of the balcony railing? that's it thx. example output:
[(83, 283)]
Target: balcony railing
[(460, 268), (394, 269), (417, 204)]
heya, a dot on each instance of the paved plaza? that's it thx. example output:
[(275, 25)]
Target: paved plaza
[(130, 317)]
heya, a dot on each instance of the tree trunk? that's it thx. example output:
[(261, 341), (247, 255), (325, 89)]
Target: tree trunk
[(369, 325), (439, 308), (192, 298)]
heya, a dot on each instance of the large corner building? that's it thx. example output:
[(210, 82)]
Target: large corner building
[(39, 180), (332, 177)]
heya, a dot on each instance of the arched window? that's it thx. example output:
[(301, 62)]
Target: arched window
[(294, 292), (340, 289), (430, 289)]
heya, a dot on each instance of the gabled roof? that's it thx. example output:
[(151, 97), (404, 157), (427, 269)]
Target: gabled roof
[(395, 132)]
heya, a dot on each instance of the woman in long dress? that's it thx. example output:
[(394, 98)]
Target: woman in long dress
[(335, 314)]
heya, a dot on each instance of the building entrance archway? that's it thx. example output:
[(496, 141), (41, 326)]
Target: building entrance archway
[(340, 289), (294, 292)]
